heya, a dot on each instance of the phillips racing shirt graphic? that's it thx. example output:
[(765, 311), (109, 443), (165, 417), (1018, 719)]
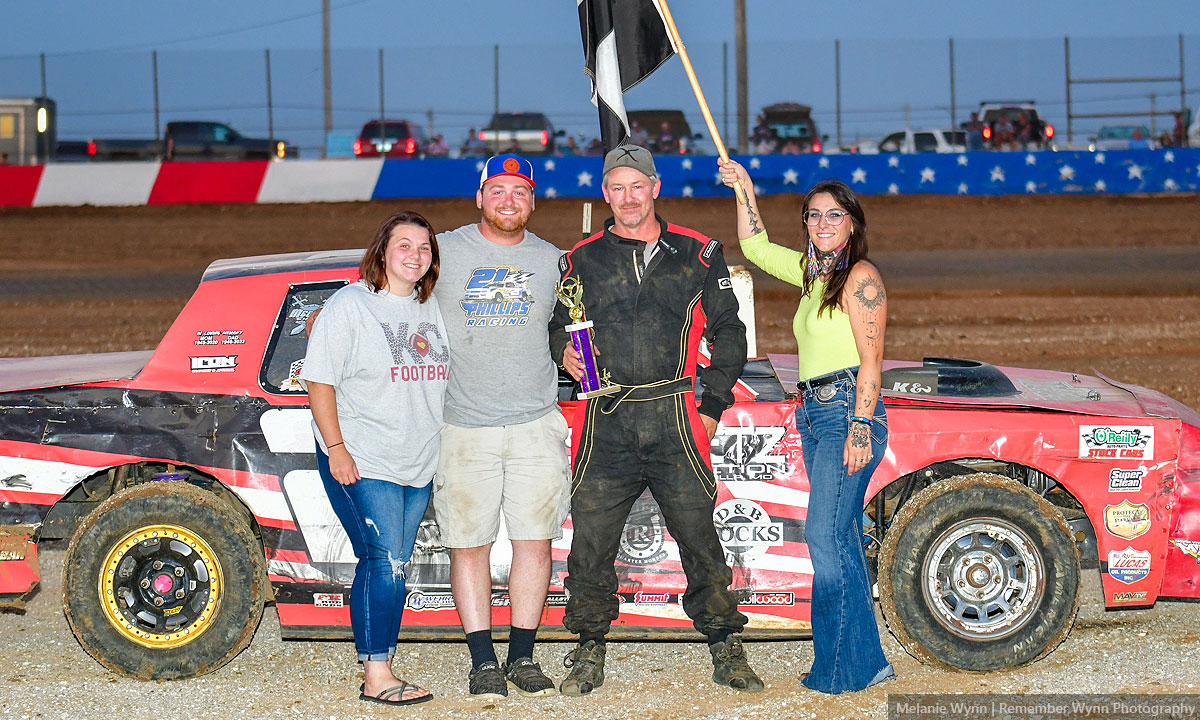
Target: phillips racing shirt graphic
[(497, 296)]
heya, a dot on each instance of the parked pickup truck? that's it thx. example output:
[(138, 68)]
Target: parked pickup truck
[(192, 140), (531, 132)]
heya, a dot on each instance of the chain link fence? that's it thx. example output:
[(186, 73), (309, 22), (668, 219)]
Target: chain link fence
[(859, 88)]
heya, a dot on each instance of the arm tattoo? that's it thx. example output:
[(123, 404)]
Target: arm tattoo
[(870, 293), (872, 332), (755, 228), (858, 436)]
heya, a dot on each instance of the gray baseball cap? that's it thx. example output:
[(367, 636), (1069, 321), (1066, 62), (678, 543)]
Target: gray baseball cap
[(631, 156)]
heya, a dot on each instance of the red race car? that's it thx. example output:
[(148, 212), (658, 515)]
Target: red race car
[(186, 480)]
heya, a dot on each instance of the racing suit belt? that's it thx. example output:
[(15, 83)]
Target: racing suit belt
[(650, 391)]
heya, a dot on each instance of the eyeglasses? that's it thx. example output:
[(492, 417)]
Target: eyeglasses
[(812, 218)]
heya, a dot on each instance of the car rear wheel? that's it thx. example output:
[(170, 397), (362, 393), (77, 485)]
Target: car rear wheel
[(978, 572), (164, 581)]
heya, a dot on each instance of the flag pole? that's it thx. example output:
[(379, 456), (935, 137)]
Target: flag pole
[(687, 66)]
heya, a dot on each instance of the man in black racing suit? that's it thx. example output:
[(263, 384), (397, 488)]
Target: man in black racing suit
[(652, 290)]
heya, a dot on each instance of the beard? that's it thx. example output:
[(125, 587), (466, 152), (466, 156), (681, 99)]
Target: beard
[(506, 223)]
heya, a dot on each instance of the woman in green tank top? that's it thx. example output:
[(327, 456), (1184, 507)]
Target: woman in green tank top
[(842, 423)]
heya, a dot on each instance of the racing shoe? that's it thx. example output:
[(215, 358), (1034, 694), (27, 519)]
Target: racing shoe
[(527, 677), (730, 666), (487, 682), (586, 664)]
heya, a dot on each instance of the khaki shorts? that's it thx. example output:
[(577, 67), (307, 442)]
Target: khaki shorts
[(520, 471)]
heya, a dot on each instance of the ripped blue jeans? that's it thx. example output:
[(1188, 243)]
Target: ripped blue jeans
[(381, 519)]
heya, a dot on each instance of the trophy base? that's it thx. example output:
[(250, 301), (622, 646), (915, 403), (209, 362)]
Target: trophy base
[(606, 390)]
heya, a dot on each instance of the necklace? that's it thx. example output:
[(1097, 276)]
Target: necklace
[(822, 263)]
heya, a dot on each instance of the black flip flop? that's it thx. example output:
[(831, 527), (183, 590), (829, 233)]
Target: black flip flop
[(397, 690)]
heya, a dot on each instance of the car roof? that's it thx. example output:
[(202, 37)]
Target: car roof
[(282, 263)]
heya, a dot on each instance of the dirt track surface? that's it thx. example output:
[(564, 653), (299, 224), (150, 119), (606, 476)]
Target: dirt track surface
[(1071, 284)]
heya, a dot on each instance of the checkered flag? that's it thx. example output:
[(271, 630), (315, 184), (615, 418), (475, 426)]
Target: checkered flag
[(623, 42)]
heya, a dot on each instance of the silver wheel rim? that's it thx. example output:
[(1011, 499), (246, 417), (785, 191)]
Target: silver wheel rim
[(982, 579)]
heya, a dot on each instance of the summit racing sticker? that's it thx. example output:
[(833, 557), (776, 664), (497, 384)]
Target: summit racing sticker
[(1191, 548), (497, 296), (1127, 520), (745, 453), (1117, 442), (745, 530), (1128, 565)]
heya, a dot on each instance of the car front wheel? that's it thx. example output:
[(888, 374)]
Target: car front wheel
[(164, 581), (978, 572)]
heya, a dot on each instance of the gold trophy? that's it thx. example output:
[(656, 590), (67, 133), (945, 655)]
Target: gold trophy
[(595, 382)]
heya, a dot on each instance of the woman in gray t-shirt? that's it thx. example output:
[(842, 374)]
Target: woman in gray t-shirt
[(376, 373)]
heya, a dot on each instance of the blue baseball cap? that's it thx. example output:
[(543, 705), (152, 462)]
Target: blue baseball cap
[(507, 164)]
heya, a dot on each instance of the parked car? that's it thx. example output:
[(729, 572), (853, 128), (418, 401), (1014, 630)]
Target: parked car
[(1123, 137), (918, 141), (528, 133), (789, 127), (689, 143), (192, 140), (390, 138), (185, 478), (1042, 132)]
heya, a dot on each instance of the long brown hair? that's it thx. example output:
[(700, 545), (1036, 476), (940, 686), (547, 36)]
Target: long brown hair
[(854, 250), (372, 269)]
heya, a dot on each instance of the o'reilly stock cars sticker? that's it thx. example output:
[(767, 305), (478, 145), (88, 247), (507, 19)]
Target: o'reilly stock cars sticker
[(1116, 442)]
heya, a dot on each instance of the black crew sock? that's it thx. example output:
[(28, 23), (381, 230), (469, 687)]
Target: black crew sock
[(520, 643), (480, 645), (719, 636), (584, 637)]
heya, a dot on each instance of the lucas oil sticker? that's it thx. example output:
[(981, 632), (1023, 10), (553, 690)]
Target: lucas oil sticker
[(1116, 442), (1128, 565)]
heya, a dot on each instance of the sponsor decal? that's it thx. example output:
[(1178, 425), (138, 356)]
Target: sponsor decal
[(745, 530), (497, 296), (1125, 480), (769, 599), (1127, 520), (1128, 565), (300, 313), (292, 384), (420, 601), (745, 453), (912, 388), (1124, 597), (214, 363), (643, 540), (1119, 442), (552, 600), (644, 598), (710, 249), (725, 283), (1191, 548), (334, 600)]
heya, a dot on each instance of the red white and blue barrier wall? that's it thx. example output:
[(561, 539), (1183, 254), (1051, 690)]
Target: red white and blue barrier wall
[(983, 173)]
